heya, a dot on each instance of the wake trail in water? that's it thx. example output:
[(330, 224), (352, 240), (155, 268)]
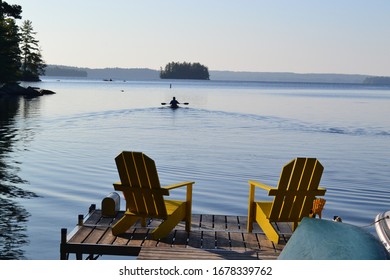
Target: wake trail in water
[(203, 119)]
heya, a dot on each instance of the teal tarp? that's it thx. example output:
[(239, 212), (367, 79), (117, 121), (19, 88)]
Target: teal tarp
[(316, 239)]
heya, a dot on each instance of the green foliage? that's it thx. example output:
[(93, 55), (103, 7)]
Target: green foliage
[(7, 10), (20, 56), (185, 70), (9, 42), (32, 62)]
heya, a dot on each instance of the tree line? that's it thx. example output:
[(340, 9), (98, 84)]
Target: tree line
[(185, 70), (20, 54), (377, 80)]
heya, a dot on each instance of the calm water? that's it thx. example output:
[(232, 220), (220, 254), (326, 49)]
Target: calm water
[(57, 152)]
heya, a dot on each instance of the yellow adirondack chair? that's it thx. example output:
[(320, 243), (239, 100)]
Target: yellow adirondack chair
[(297, 188), (144, 196)]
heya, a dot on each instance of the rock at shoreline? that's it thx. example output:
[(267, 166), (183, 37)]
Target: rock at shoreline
[(14, 89)]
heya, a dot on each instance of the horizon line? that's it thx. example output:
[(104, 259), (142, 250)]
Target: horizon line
[(232, 71)]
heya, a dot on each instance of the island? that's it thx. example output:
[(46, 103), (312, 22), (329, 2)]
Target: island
[(185, 70)]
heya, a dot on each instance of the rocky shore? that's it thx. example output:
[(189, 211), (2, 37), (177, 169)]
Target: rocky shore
[(14, 89)]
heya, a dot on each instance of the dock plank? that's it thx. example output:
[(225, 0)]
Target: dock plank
[(222, 240), (237, 240), (147, 253), (108, 238), (219, 223), (232, 223), (208, 239), (251, 241), (81, 235), (164, 242), (180, 239), (96, 234), (206, 222), (138, 237), (195, 239), (195, 221)]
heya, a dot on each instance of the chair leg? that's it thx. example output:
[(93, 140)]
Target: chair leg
[(124, 224), (188, 222), (166, 226), (261, 216), (251, 208), (269, 230)]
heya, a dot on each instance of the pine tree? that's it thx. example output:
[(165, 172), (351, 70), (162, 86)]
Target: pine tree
[(9, 42), (32, 62)]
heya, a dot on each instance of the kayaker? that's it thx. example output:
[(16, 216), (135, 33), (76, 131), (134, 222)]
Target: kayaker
[(174, 103)]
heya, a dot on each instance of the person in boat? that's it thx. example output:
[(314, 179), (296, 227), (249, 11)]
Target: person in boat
[(174, 103)]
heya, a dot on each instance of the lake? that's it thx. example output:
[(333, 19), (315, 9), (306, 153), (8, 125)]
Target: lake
[(57, 151)]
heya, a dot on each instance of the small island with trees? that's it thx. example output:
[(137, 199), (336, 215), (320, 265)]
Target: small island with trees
[(20, 54), (185, 70)]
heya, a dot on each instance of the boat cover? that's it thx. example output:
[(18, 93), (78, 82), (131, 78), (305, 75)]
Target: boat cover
[(317, 239)]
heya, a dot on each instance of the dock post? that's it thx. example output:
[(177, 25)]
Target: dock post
[(79, 256), (64, 233), (80, 220), (92, 208)]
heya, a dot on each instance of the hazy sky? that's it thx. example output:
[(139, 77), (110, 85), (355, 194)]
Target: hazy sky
[(302, 36)]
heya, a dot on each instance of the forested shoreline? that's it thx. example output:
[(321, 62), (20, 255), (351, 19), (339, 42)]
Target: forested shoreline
[(20, 53)]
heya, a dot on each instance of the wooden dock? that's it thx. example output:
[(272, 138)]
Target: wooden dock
[(211, 237)]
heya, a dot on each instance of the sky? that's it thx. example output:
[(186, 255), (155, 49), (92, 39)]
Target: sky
[(300, 36)]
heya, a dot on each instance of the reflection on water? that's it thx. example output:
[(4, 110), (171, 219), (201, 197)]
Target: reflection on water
[(12, 229), (13, 216)]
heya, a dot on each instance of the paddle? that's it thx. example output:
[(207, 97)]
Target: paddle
[(185, 103)]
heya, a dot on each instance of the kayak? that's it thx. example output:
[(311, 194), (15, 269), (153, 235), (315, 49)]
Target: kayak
[(174, 106), (382, 227)]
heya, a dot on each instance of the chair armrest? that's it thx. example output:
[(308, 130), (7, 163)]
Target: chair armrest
[(119, 187), (320, 191), (188, 192), (178, 185), (252, 186), (260, 185), (251, 199)]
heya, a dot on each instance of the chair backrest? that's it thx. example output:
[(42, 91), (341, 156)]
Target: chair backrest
[(297, 188), (139, 178)]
